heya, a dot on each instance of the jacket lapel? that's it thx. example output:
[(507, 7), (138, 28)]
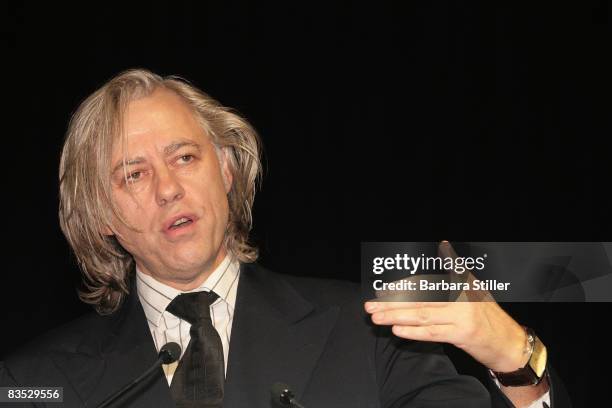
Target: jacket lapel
[(105, 364), (277, 336)]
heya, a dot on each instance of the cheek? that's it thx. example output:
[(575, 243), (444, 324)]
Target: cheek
[(137, 243), (217, 207), (132, 210), (224, 214), (136, 217), (221, 201)]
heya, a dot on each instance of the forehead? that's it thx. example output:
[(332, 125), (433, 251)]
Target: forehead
[(159, 118)]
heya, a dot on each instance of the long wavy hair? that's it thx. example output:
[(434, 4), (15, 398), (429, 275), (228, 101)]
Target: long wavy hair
[(86, 206)]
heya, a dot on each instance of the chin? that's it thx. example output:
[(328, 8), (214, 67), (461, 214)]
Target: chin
[(194, 258), (196, 254)]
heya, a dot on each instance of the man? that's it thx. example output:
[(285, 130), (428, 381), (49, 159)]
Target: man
[(157, 181)]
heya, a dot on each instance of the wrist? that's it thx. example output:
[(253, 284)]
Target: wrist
[(515, 353)]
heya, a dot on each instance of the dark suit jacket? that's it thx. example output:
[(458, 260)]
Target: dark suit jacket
[(311, 334)]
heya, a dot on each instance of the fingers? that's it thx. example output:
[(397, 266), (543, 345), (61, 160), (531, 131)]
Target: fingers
[(438, 333), (374, 306), (424, 321), (445, 249), (414, 317)]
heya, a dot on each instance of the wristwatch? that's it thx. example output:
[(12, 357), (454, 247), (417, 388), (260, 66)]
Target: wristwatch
[(534, 370)]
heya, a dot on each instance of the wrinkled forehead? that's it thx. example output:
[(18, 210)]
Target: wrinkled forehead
[(162, 118)]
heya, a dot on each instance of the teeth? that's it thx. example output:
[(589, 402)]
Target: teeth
[(180, 221)]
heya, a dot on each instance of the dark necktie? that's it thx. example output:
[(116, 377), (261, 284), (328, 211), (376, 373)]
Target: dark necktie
[(199, 377)]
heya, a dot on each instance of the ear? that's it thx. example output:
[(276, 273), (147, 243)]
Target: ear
[(226, 172)]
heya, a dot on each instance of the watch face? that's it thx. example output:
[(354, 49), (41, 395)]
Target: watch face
[(537, 362)]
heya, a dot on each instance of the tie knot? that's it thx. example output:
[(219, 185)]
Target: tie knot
[(193, 307)]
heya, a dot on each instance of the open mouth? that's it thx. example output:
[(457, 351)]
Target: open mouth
[(180, 223)]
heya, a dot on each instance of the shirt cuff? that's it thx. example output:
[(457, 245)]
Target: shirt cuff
[(539, 403)]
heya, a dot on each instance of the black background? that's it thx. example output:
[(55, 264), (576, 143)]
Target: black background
[(433, 120)]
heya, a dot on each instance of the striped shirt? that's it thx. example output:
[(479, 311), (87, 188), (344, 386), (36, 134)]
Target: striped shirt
[(165, 327)]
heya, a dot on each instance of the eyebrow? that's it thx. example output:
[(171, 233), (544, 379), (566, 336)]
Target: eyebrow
[(168, 150), (173, 147)]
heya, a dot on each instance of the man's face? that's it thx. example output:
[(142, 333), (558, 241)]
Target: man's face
[(175, 194)]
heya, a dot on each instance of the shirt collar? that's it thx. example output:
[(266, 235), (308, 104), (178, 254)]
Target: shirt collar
[(156, 296)]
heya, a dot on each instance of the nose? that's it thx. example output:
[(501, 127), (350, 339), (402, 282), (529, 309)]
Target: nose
[(169, 189)]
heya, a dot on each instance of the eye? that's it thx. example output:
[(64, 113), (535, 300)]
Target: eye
[(134, 175), (186, 158)]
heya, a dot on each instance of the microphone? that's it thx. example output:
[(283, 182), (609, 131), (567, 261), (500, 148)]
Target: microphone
[(282, 394), (168, 354)]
